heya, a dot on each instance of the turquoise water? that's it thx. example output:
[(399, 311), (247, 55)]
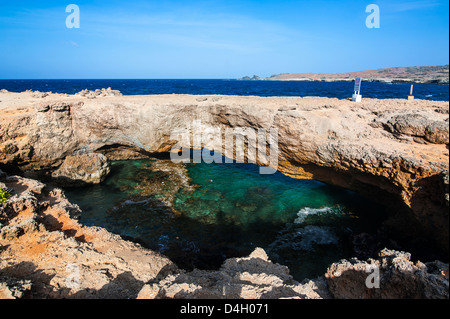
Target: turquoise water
[(303, 224)]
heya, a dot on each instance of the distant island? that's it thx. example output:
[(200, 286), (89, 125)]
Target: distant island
[(414, 74)]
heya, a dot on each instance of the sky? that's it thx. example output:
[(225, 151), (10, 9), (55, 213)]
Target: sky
[(217, 39)]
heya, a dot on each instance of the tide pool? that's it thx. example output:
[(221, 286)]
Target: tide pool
[(229, 210)]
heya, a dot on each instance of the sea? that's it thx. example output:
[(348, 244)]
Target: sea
[(340, 90)]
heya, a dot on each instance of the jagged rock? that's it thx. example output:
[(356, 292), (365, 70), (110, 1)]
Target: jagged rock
[(11, 232), (82, 169), (444, 175), (384, 149), (11, 288), (419, 126), (103, 92), (44, 247), (398, 277), (252, 277), (51, 252)]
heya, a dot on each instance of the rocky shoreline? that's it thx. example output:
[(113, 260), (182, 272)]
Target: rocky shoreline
[(390, 150), (46, 253), (425, 74), (347, 79)]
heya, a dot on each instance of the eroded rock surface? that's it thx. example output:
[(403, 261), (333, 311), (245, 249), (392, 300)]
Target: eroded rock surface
[(89, 168), (255, 277), (252, 277), (390, 150), (46, 253), (377, 147), (11, 288), (398, 278), (103, 92), (420, 127)]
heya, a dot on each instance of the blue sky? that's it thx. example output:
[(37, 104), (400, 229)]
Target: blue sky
[(216, 39)]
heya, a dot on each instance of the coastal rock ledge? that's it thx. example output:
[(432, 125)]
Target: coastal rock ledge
[(46, 253)]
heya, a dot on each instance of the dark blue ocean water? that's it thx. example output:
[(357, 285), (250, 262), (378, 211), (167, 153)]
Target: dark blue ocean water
[(339, 90)]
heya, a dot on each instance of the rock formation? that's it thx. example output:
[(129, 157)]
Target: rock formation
[(397, 276), (415, 74), (255, 277), (394, 151), (90, 168), (252, 277), (46, 253)]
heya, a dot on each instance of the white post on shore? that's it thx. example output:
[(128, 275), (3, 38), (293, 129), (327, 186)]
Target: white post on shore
[(411, 96), (356, 97)]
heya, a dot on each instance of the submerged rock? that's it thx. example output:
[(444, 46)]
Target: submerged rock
[(166, 180)]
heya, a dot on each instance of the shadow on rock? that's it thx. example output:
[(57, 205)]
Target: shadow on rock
[(24, 280), (431, 201), (124, 286), (392, 276), (253, 277)]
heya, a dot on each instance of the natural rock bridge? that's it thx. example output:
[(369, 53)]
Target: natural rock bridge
[(394, 151)]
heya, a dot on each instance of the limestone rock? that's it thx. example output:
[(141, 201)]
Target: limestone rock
[(43, 247), (399, 278), (252, 277), (11, 288), (50, 252), (91, 168), (100, 93), (390, 150), (420, 126)]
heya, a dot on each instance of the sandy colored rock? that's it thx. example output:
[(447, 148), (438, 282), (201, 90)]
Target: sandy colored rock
[(414, 74), (398, 278), (390, 150), (252, 277), (46, 253), (255, 277), (14, 289), (42, 244), (418, 127), (89, 168)]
